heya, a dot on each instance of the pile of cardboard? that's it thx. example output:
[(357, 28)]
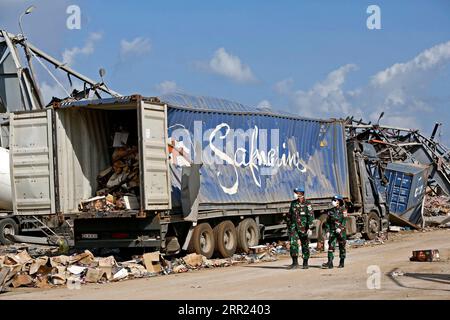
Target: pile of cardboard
[(118, 185), (17, 270)]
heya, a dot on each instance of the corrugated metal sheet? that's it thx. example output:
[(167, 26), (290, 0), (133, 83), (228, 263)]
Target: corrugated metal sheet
[(211, 104), (406, 189), (31, 163), (154, 164), (119, 101), (320, 146), (187, 102)]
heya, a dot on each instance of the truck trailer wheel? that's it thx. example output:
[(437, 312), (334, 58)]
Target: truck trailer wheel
[(373, 226), (247, 235), (202, 241), (226, 238), (7, 226)]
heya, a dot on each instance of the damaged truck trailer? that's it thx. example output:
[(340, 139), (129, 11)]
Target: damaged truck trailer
[(181, 172)]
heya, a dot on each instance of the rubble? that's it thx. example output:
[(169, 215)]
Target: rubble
[(398, 273), (22, 279), (437, 211), (20, 269), (193, 260), (33, 250), (117, 185), (93, 275), (436, 206), (152, 262), (121, 274)]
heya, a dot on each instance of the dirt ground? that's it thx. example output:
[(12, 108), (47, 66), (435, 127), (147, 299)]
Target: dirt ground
[(271, 280)]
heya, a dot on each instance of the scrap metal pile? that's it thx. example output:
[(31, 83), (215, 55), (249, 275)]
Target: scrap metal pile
[(395, 144), (118, 185), (414, 158)]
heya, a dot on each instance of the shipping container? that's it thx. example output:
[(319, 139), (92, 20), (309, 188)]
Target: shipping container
[(262, 155), (406, 190)]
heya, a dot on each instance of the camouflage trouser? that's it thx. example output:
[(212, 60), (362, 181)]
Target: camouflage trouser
[(341, 240), (294, 236)]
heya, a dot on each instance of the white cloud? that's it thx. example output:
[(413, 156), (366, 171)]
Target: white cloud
[(69, 55), (400, 91), (264, 104), (325, 97), (229, 66), (167, 87), (284, 86), (425, 61), (134, 48), (49, 91)]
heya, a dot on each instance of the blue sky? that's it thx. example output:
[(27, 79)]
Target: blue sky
[(315, 58)]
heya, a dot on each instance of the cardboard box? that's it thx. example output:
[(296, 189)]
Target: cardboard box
[(151, 262)]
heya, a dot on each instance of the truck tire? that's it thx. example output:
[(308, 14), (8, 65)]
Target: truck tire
[(247, 235), (321, 233), (202, 241), (7, 226), (226, 239), (373, 226)]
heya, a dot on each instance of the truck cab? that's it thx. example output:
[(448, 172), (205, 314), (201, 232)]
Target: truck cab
[(367, 189)]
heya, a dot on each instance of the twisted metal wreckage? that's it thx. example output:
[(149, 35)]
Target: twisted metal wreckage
[(19, 91)]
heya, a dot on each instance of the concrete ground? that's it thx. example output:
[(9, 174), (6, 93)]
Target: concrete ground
[(271, 280)]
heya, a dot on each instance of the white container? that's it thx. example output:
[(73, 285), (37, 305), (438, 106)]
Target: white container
[(5, 181)]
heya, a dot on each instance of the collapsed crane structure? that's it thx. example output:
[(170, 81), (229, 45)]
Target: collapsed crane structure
[(394, 144), (20, 91), (19, 88), (428, 158)]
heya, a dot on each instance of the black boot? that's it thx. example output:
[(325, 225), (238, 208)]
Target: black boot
[(329, 264), (305, 264), (341, 263), (294, 264)]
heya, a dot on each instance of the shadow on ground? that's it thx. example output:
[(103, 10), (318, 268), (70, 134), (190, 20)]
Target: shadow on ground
[(280, 267), (429, 277)]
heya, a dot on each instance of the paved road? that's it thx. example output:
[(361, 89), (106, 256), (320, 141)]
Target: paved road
[(422, 280)]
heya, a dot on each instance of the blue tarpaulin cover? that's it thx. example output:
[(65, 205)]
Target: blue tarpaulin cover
[(252, 155)]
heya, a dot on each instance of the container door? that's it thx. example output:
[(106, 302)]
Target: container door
[(154, 157), (31, 159)]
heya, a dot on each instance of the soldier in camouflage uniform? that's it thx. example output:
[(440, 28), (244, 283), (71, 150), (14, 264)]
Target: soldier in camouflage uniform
[(299, 219), (334, 227)]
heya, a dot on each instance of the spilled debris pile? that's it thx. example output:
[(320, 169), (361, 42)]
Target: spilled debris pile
[(118, 185), (34, 250), (436, 206), (437, 211), (20, 269)]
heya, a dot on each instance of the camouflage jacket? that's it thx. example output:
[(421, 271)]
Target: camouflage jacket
[(336, 219), (300, 215)]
